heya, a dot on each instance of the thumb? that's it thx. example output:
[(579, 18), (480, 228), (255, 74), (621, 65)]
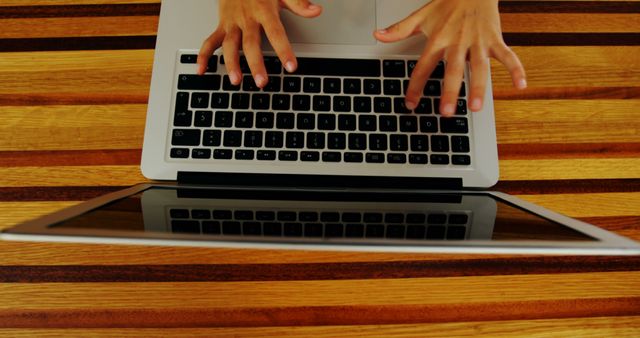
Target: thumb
[(302, 8), (400, 30)]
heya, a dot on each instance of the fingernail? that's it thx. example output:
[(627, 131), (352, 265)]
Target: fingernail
[(410, 105), (290, 67), (313, 7), (261, 81), (448, 109), (476, 104), (382, 31), (234, 77), (522, 84)]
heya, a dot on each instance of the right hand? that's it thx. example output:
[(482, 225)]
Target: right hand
[(240, 26)]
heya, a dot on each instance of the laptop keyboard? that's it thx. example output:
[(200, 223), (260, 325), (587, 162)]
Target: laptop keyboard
[(352, 224), (330, 110)]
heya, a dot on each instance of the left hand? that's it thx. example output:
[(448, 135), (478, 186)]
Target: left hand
[(456, 30)]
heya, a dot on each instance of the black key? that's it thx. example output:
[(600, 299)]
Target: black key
[(399, 106), (200, 214), (353, 157), (330, 217), (185, 137), (378, 142), (264, 120), (179, 153), (436, 106), (204, 119), (244, 119), (231, 228), (375, 158), (354, 230), (439, 159), (285, 120), (222, 154), (352, 86), (301, 102), (411, 65), (438, 73), (251, 228), (357, 141), (428, 124), (460, 144), (338, 67), (336, 141), (260, 101), (394, 218), (393, 68), (291, 84), (435, 232), (306, 121), (272, 229), (395, 231), (295, 140), (461, 108), (432, 88), (408, 124), (286, 216), (399, 142), (458, 218), (240, 101), (342, 103), (439, 143), (293, 229), (326, 121), (362, 104), (308, 216), (179, 213), (372, 87), (273, 65), (191, 58), (253, 139), (199, 82), (200, 100), (331, 85), (211, 138), (227, 86), (419, 143), (232, 138), (367, 123), (310, 156), (322, 103), (416, 218), (182, 101), (201, 153), (416, 231), (424, 106), (456, 125), (192, 227), (243, 154), (461, 159), (313, 230), (388, 123), (382, 105), (346, 122), (456, 232), (375, 230), (418, 159), (330, 156), (333, 230), (274, 139), (397, 158), (437, 219), (372, 217), (315, 140), (392, 87), (182, 118), (249, 84), (288, 155), (274, 85), (220, 100), (212, 64), (281, 102), (223, 119), (311, 84), (463, 91), (266, 155), (351, 217), (265, 216)]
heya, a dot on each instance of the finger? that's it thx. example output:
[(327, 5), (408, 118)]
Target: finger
[(400, 30), (479, 73), (230, 49), (302, 8), (277, 36), (421, 73), (510, 60), (453, 74), (251, 41), (208, 47)]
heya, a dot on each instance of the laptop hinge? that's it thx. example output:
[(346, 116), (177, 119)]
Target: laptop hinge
[(318, 181)]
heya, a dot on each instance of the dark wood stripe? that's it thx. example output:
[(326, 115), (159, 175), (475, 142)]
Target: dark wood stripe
[(69, 11), (569, 7), (313, 271), (572, 39), (532, 151), (219, 315), (70, 158), (31, 99), (580, 92)]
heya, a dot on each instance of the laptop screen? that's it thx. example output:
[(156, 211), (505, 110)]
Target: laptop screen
[(318, 217)]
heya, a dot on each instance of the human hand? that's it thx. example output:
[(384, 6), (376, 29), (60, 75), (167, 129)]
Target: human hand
[(456, 30), (240, 25)]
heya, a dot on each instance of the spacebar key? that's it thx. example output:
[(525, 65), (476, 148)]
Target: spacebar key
[(338, 67)]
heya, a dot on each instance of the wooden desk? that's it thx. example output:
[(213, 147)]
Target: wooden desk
[(74, 79)]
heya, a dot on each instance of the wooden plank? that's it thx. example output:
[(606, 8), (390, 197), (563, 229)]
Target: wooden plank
[(77, 2)]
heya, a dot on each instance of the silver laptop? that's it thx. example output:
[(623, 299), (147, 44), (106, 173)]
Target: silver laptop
[(341, 115)]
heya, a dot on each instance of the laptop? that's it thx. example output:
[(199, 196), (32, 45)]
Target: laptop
[(326, 158)]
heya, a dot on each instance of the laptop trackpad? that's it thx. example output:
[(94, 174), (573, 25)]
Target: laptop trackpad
[(342, 22)]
